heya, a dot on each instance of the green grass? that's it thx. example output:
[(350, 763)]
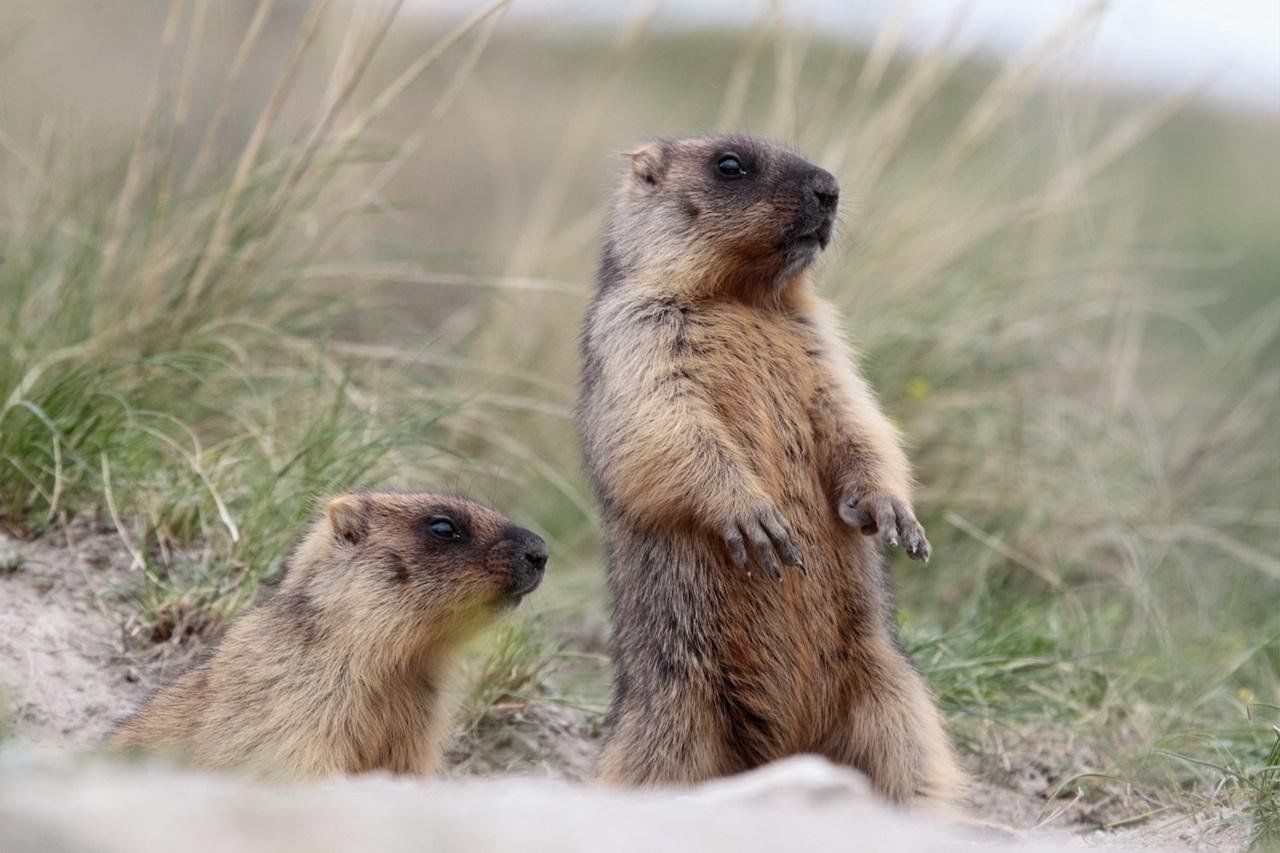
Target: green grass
[(1261, 786), (1083, 352), (163, 366)]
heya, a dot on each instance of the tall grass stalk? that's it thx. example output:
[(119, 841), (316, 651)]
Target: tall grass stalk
[(164, 357)]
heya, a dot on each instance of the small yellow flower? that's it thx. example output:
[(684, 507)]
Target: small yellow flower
[(1245, 695), (918, 387)]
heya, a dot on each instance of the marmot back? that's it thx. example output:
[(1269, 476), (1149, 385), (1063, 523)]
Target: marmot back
[(341, 670), (728, 434)]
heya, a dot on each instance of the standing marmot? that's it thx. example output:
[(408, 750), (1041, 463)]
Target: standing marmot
[(725, 427), (341, 670)]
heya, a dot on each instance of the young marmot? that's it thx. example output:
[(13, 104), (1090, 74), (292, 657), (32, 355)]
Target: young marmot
[(341, 670), (726, 431)]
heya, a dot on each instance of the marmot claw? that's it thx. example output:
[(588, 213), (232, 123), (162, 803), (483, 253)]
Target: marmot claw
[(770, 538), (879, 512)]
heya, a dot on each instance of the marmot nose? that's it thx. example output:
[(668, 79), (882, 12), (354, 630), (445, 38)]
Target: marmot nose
[(530, 552), (825, 188), (528, 561), (536, 556)]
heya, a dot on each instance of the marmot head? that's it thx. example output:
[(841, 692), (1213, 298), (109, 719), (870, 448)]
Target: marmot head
[(744, 211), (439, 563)]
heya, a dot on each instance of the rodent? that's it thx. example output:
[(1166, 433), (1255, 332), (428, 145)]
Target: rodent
[(728, 435), (343, 669)]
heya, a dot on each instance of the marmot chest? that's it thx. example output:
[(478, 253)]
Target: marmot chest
[(762, 373)]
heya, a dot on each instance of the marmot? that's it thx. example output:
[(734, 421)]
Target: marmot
[(725, 430), (341, 669)]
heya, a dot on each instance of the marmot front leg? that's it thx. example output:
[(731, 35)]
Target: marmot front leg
[(686, 468), (870, 474), (665, 456), (872, 477), (873, 482)]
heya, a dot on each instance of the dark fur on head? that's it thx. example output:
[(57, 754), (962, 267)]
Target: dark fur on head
[(679, 215), (475, 559)]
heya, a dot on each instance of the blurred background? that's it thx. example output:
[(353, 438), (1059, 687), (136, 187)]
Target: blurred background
[(256, 252)]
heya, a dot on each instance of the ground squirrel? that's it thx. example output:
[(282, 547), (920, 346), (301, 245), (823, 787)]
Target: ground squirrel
[(728, 434), (341, 669)]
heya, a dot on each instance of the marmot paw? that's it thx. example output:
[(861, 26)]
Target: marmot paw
[(879, 512), (769, 536)]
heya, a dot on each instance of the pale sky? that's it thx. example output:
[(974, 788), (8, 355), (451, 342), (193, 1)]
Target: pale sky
[(1148, 44)]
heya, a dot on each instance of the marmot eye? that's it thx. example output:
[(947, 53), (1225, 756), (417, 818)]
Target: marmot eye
[(730, 167), (444, 528)]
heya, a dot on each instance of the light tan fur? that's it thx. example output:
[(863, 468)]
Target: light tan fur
[(344, 669), (729, 434)]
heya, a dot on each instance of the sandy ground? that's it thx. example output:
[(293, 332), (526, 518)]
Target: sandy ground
[(64, 674), (67, 675)]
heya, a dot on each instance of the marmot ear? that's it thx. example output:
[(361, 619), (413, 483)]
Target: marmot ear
[(649, 163), (347, 518)]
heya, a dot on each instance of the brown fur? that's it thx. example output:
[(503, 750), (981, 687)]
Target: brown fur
[(727, 431), (342, 669)]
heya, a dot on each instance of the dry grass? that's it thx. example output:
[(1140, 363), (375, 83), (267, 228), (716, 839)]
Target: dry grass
[(164, 362)]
